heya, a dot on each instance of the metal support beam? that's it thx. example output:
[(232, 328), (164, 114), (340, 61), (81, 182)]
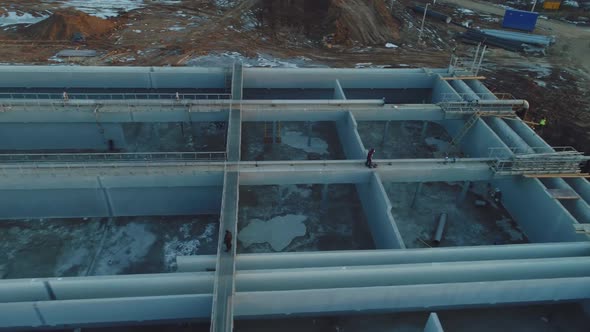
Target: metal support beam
[(416, 194), (325, 191), (464, 191), (385, 133), (424, 130), (309, 124)]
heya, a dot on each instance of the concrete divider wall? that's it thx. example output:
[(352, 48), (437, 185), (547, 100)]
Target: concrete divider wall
[(165, 201), (93, 202), (377, 208), (433, 324), (349, 137), (581, 186), (338, 92), (52, 203), (538, 214), (443, 90), (577, 207), (478, 140), (105, 77), (510, 138), (324, 78), (78, 196), (55, 136)]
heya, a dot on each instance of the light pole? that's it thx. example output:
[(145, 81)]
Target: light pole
[(424, 19)]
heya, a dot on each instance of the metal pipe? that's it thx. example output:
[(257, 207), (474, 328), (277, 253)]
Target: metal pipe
[(442, 221), (432, 13), (423, 19)]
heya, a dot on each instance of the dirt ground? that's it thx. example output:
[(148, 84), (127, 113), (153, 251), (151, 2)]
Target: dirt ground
[(178, 33)]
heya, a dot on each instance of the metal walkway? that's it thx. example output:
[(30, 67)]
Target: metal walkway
[(558, 160), (222, 312)]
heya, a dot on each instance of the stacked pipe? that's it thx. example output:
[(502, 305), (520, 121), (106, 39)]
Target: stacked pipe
[(432, 13), (507, 40)]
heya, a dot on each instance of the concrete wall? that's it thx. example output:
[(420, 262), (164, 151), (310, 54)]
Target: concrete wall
[(349, 78), (510, 138), (538, 214), (377, 208), (338, 92), (80, 196), (442, 89), (56, 136), (433, 324), (349, 138), (106, 77), (478, 140), (577, 207)]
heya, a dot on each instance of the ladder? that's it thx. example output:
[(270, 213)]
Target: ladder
[(470, 123), (268, 132)]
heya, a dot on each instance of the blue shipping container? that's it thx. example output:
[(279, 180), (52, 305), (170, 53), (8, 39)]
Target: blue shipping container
[(520, 20)]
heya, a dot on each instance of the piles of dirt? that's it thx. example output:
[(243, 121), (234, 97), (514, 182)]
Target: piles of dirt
[(64, 25), (363, 21), (367, 22)]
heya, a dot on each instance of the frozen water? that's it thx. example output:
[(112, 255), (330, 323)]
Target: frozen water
[(185, 244), (130, 244), (439, 144), (10, 18), (278, 231), (298, 140)]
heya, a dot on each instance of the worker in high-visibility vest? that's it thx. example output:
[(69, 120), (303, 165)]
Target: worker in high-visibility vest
[(543, 122)]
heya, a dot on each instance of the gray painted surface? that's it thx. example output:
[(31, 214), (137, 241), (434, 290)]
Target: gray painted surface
[(539, 215), (377, 208), (398, 256), (105, 77), (37, 136), (433, 324), (324, 78), (411, 297), (349, 138), (338, 91)]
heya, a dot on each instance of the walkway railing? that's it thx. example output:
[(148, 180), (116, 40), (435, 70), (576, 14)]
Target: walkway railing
[(540, 160), (113, 157), (113, 96)]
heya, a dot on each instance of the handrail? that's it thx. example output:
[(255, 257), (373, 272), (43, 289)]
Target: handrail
[(112, 96), (109, 157)]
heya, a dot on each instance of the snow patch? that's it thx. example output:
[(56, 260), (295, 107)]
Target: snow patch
[(128, 245), (10, 18), (297, 140), (278, 231), (185, 244)]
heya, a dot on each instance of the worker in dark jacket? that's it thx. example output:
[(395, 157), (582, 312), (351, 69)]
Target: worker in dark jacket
[(227, 240), (369, 162)]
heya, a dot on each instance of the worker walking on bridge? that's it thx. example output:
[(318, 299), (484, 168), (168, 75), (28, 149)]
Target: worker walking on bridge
[(227, 240), (369, 162)]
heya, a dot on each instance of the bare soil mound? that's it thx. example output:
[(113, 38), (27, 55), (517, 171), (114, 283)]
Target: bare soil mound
[(365, 21), (62, 25), (348, 21)]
